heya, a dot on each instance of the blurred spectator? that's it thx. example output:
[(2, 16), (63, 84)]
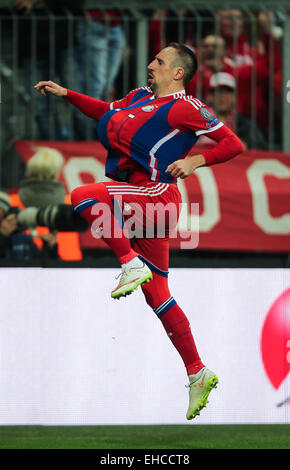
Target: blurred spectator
[(269, 48), (95, 48), (230, 24), (211, 59), (164, 27), (14, 243), (40, 186), (156, 39), (44, 52), (221, 98), (100, 43), (255, 68), (244, 60), (47, 206)]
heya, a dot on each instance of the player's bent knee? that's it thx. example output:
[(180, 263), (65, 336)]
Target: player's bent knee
[(77, 195), (81, 193)]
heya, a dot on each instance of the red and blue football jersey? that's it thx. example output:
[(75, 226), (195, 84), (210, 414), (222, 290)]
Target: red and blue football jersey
[(154, 132)]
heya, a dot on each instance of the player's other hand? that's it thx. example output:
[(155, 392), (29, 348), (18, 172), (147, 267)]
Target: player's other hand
[(51, 87), (185, 167)]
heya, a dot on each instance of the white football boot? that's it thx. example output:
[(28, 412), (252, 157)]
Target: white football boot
[(199, 390), (130, 279)]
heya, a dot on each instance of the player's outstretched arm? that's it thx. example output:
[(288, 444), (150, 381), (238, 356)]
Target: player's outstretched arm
[(186, 166), (47, 85), (92, 107)]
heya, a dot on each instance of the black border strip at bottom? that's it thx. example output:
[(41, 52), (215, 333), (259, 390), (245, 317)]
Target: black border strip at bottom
[(138, 458)]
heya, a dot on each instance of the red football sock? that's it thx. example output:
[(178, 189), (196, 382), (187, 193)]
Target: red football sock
[(112, 230), (177, 327), (174, 320)]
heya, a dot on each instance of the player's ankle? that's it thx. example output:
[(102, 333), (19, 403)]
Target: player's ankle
[(196, 376), (194, 368), (124, 259)]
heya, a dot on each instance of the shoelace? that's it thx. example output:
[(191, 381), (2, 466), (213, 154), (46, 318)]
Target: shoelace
[(124, 271), (190, 384), (121, 275)]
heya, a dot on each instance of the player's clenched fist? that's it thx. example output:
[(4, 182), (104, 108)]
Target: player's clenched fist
[(185, 167), (51, 87)]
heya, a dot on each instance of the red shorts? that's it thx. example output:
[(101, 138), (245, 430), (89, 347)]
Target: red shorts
[(147, 194)]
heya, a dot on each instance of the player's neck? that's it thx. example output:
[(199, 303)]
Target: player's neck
[(168, 91)]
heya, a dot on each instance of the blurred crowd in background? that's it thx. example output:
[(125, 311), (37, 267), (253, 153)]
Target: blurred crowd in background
[(231, 62), (94, 52), (88, 51)]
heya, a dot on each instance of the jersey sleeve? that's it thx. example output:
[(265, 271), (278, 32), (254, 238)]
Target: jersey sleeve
[(192, 115), (92, 107), (228, 146)]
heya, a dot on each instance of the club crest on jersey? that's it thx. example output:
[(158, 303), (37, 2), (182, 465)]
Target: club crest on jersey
[(148, 109), (206, 114)]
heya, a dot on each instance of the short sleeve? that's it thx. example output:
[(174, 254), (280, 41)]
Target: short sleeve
[(191, 114)]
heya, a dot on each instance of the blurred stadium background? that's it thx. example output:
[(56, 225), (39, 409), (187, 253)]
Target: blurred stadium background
[(57, 369)]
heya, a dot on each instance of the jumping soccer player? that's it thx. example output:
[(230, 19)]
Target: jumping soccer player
[(148, 135)]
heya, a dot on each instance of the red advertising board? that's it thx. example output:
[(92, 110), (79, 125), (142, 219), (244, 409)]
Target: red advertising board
[(244, 204)]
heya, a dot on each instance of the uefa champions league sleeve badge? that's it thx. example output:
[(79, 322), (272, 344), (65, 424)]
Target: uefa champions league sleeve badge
[(206, 114)]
